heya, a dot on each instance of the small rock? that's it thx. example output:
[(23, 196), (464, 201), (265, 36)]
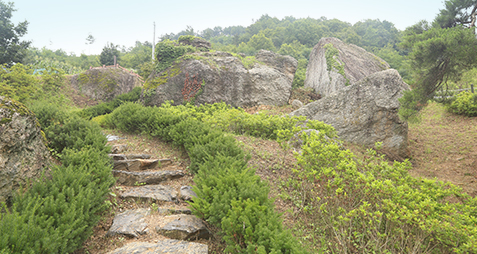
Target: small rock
[(184, 228), (152, 192), (187, 193), (113, 138), (163, 247), (135, 165), (296, 104), (117, 149), (130, 223)]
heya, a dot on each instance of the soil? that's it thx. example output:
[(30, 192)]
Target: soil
[(443, 147)]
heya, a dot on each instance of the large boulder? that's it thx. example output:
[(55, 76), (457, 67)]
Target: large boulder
[(334, 64), (366, 112), (105, 83), (210, 77), (23, 152)]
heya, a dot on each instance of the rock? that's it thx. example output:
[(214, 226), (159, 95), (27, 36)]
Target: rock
[(185, 227), (135, 165), (117, 157), (23, 152), (134, 178), (130, 223), (118, 149), (138, 156), (196, 42), (162, 247), (113, 138), (366, 112), (105, 83), (187, 193), (211, 77), (356, 64), (164, 210), (296, 104), (152, 192)]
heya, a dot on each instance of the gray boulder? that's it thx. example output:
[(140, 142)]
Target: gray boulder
[(105, 83), (210, 77), (366, 112), (349, 64), (196, 42), (163, 247), (23, 151)]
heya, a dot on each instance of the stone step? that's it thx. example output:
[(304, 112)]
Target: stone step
[(130, 223), (139, 178), (165, 246), (152, 193), (120, 157), (140, 164), (184, 227)]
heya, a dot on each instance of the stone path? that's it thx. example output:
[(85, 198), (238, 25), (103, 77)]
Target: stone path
[(147, 179)]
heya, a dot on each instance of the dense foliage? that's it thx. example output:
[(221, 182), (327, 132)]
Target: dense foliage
[(109, 54), (57, 213), (12, 50), (465, 103)]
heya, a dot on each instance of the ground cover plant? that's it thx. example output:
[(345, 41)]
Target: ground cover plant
[(56, 214)]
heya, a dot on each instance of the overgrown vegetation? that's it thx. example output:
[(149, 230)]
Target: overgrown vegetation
[(56, 214), (465, 103)]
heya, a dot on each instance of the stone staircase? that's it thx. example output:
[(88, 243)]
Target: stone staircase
[(167, 228)]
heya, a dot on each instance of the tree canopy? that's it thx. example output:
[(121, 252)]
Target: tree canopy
[(107, 55), (439, 53), (12, 49)]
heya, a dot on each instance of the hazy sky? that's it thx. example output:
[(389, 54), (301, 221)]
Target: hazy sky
[(65, 24)]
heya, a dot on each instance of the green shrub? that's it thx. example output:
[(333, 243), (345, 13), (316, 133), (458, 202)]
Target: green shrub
[(372, 206), (18, 82), (56, 214), (465, 103), (168, 51), (254, 228), (108, 107)]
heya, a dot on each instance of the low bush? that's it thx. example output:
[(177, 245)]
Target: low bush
[(57, 213), (371, 206), (108, 107), (465, 103), (228, 191)]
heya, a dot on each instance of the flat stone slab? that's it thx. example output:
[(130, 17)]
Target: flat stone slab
[(135, 164), (134, 178), (152, 192), (184, 227), (161, 247), (165, 210), (130, 223), (121, 157), (187, 193)]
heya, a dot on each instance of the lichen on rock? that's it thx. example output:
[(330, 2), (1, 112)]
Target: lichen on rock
[(23, 151)]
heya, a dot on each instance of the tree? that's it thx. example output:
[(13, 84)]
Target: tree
[(457, 12), (90, 39), (12, 50), (108, 53), (437, 55), (260, 41)]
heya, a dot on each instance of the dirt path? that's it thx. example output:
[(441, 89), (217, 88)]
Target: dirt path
[(444, 146)]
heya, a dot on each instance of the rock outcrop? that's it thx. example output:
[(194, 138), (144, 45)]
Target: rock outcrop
[(334, 64), (210, 77), (23, 151), (105, 83), (366, 112), (196, 42)]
